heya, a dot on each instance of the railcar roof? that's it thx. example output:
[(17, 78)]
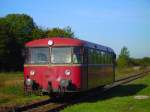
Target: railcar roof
[(59, 41)]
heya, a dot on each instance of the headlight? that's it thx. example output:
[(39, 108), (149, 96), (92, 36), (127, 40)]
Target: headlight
[(29, 82), (50, 42), (67, 72), (32, 72)]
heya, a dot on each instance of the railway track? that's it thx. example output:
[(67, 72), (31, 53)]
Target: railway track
[(57, 104)]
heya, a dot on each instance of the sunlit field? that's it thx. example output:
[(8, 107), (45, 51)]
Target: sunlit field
[(120, 99)]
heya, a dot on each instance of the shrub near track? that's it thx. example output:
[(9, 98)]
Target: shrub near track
[(119, 99)]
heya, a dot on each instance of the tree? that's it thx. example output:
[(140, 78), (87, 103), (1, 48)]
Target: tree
[(38, 33), (145, 61), (4, 40), (21, 26), (57, 32), (123, 59), (15, 30)]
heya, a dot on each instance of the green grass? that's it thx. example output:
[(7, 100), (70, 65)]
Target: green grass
[(11, 90), (119, 99)]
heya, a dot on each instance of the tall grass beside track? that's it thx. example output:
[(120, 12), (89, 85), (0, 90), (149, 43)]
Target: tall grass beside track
[(12, 92), (119, 73)]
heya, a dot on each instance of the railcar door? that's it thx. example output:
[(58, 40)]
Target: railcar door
[(85, 70)]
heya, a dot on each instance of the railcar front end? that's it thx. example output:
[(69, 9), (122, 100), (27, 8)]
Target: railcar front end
[(53, 69)]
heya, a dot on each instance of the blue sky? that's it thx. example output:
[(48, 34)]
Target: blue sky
[(115, 23)]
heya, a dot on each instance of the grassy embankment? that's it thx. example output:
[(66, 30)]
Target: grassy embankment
[(11, 90), (119, 99)]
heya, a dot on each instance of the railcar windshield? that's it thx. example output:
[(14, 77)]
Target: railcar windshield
[(37, 55), (61, 55), (57, 55)]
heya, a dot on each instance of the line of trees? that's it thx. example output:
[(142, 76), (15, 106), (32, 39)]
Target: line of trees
[(124, 60), (15, 31)]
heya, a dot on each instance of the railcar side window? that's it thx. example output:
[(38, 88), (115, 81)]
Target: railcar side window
[(61, 55), (90, 56), (102, 57), (97, 54), (85, 55), (39, 55), (106, 58), (94, 57), (112, 57), (77, 55), (99, 57)]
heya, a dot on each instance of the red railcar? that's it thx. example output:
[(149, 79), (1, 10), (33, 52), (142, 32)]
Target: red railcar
[(58, 65)]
